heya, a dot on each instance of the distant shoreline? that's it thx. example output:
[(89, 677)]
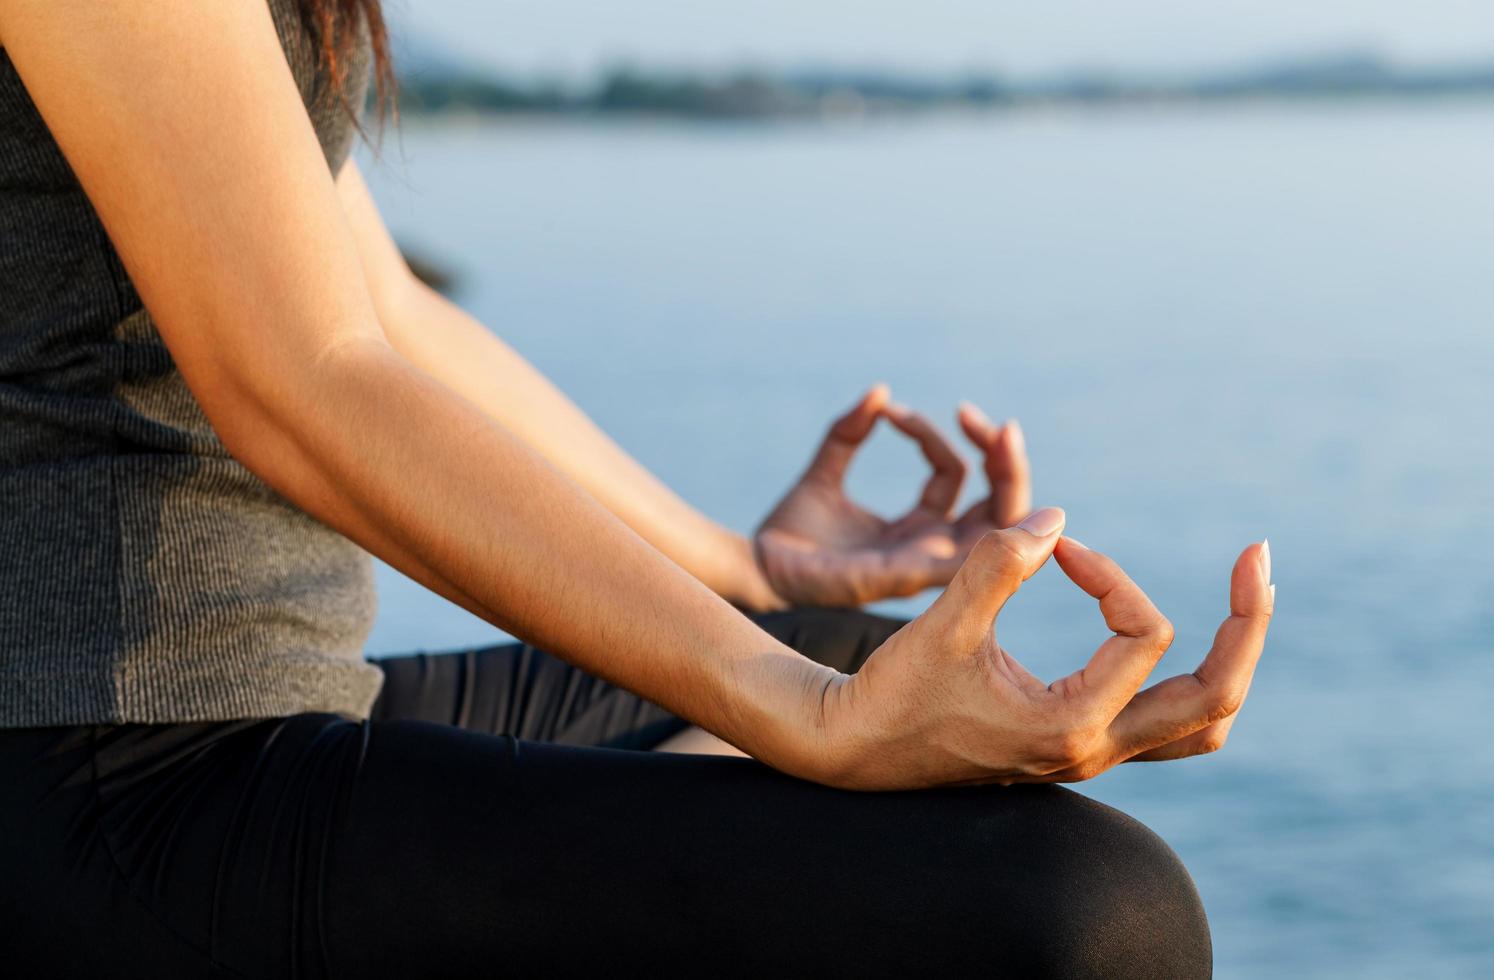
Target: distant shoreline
[(439, 89), (462, 116)]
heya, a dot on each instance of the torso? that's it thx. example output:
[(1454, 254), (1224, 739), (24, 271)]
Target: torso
[(146, 574)]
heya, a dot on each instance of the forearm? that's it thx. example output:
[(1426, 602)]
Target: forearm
[(379, 450), (446, 342)]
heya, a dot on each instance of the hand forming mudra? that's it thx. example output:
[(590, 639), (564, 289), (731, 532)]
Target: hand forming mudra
[(943, 702), (819, 547)]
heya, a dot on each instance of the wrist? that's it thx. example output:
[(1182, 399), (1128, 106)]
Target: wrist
[(749, 588), (778, 700)]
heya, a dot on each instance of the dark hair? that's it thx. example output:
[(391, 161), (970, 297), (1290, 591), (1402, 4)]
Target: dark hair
[(334, 24)]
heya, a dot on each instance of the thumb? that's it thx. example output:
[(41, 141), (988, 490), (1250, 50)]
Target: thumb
[(846, 435), (999, 563)]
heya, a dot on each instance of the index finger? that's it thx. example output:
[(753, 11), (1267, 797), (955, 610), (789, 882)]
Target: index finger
[(1179, 706), (943, 486), (1142, 634)]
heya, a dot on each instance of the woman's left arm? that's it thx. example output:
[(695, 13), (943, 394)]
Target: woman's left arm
[(445, 341)]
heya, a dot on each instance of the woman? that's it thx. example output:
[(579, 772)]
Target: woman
[(219, 383)]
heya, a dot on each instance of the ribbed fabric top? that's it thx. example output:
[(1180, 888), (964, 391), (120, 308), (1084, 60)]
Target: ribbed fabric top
[(145, 575)]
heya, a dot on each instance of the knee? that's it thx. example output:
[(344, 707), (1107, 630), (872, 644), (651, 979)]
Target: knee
[(1022, 881), (1113, 900)]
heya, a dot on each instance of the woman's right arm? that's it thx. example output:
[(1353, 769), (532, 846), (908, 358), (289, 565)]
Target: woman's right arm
[(184, 125), (186, 130)]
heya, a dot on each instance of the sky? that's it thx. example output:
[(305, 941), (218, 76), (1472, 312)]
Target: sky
[(569, 37)]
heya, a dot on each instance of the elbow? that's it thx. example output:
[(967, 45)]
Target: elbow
[(266, 442), (275, 419)]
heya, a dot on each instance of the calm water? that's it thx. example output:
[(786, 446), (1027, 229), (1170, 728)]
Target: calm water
[(1214, 327)]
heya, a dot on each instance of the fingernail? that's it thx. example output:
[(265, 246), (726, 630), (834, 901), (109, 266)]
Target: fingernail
[(1015, 437), (1273, 593), (1266, 560), (1076, 543), (1042, 523), (972, 410)]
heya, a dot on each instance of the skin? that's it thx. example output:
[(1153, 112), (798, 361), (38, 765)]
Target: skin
[(382, 412)]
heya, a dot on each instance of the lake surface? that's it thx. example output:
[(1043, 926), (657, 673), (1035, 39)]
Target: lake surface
[(1214, 326)]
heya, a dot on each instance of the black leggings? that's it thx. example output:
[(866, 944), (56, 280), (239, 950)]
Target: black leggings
[(472, 828)]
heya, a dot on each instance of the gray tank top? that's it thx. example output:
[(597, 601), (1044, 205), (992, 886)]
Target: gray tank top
[(146, 576)]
